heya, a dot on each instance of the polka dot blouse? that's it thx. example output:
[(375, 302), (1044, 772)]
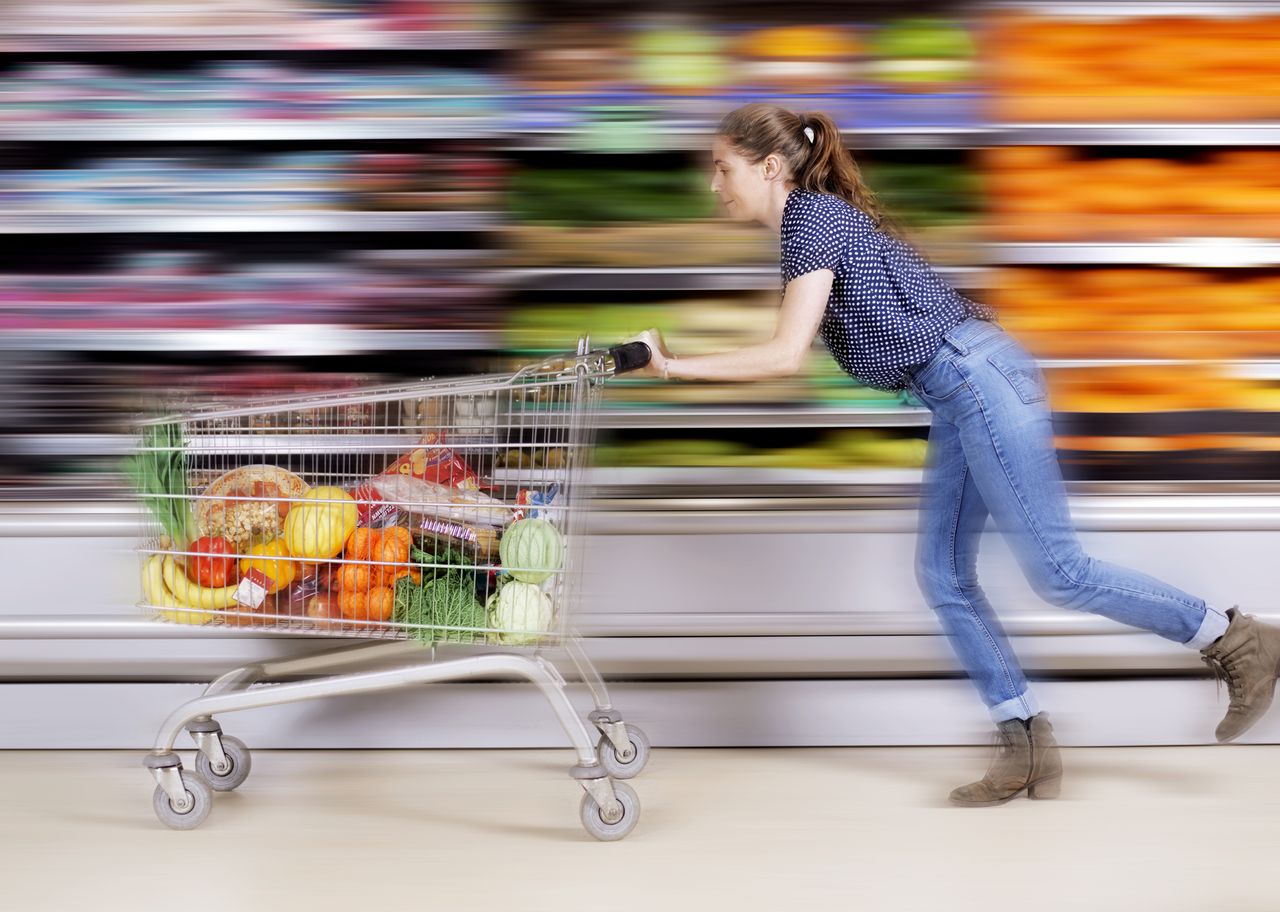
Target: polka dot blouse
[(888, 308)]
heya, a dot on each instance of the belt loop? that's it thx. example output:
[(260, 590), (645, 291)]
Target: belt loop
[(957, 344)]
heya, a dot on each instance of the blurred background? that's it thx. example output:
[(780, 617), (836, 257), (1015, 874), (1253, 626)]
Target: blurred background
[(221, 198)]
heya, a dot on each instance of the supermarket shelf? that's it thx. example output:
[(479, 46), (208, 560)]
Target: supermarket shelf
[(694, 137), (1125, 9), (1160, 424), (230, 444), (1206, 252), (658, 135), (328, 339), (918, 137), (706, 477), (702, 278), (1155, 424), (297, 340), (642, 501), (1138, 134), (1240, 368), (749, 417), (277, 222), (250, 130), (38, 444), (90, 41), (861, 501), (690, 278)]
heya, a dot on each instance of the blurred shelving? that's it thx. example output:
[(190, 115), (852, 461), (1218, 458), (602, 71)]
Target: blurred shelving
[(288, 340), (295, 222)]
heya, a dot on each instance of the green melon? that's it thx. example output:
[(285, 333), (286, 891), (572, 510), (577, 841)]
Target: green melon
[(531, 550)]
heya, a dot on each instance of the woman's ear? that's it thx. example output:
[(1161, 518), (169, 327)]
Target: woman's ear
[(772, 167)]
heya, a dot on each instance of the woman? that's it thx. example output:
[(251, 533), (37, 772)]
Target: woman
[(893, 323)]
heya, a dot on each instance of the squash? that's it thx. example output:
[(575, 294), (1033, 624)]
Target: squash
[(318, 525)]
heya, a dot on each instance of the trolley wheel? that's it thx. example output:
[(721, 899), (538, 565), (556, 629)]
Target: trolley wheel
[(239, 760), (199, 803), (617, 767), (595, 824)]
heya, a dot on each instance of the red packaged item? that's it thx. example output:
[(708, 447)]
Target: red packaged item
[(435, 462), (529, 502), (372, 509)]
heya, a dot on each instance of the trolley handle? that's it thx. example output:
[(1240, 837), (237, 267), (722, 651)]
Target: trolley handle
[(630, 356)]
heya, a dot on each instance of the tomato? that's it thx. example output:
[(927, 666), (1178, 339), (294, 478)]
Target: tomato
[(207, 566)]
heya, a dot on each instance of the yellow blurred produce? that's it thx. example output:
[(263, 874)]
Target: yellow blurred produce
[(849, 448), (695, 243), (799, 57)]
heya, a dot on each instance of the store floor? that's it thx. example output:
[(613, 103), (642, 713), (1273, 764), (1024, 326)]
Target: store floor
[(1166, 829)]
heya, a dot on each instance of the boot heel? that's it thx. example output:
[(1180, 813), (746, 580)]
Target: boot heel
[(1045, 789)]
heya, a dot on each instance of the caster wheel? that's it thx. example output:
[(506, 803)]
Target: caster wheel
[(593, 817), (196, 810), (624, 768), (239, 763)]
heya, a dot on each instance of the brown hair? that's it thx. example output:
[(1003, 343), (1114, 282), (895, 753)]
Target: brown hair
[(823, 166)]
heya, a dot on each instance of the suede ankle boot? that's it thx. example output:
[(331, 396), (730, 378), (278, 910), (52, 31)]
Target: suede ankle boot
[(1027, 759), (1246, 657)]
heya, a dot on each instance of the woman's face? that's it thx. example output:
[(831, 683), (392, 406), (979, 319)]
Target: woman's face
[(743, 187)]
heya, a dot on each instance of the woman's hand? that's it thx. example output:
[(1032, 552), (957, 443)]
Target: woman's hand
[(659, 355)]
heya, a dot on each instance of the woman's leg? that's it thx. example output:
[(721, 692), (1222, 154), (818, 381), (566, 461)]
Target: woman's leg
[(951, 522), (952, 517), (1006, 433)]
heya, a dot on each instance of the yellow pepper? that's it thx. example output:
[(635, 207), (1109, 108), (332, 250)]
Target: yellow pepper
[(265, 559)]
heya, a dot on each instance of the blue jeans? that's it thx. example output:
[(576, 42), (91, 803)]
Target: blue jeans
[(991, 452)]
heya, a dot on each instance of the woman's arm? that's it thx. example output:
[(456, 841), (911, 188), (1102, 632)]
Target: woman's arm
[(782, 356)]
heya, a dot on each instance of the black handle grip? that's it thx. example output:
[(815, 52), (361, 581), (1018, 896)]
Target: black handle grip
[(630, 357)]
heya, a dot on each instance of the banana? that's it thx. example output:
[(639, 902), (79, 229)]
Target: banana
[(157, 594), (193, 595)]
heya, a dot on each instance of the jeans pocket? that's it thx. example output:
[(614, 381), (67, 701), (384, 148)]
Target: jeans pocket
[(1022, 372), (940, 380)]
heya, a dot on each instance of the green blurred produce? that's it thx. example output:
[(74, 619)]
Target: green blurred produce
[(566, 196), (926, 195)]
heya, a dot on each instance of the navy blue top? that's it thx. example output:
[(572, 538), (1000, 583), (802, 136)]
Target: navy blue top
[(888, 308)]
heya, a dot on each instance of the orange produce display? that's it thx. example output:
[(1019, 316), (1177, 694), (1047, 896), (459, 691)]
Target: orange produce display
[(1141, 312), (1050, 193), (1146, 67)]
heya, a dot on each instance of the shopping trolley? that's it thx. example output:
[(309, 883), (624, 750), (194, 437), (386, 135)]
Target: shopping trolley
[(441, 520)]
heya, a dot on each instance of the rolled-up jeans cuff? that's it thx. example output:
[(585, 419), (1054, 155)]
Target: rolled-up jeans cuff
[(1212, 627), (1023, 706)]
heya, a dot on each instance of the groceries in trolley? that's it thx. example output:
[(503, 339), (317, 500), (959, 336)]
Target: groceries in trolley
[(425, 547)]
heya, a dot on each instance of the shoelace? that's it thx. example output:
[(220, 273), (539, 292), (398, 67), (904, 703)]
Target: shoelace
[(1224, 672)]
